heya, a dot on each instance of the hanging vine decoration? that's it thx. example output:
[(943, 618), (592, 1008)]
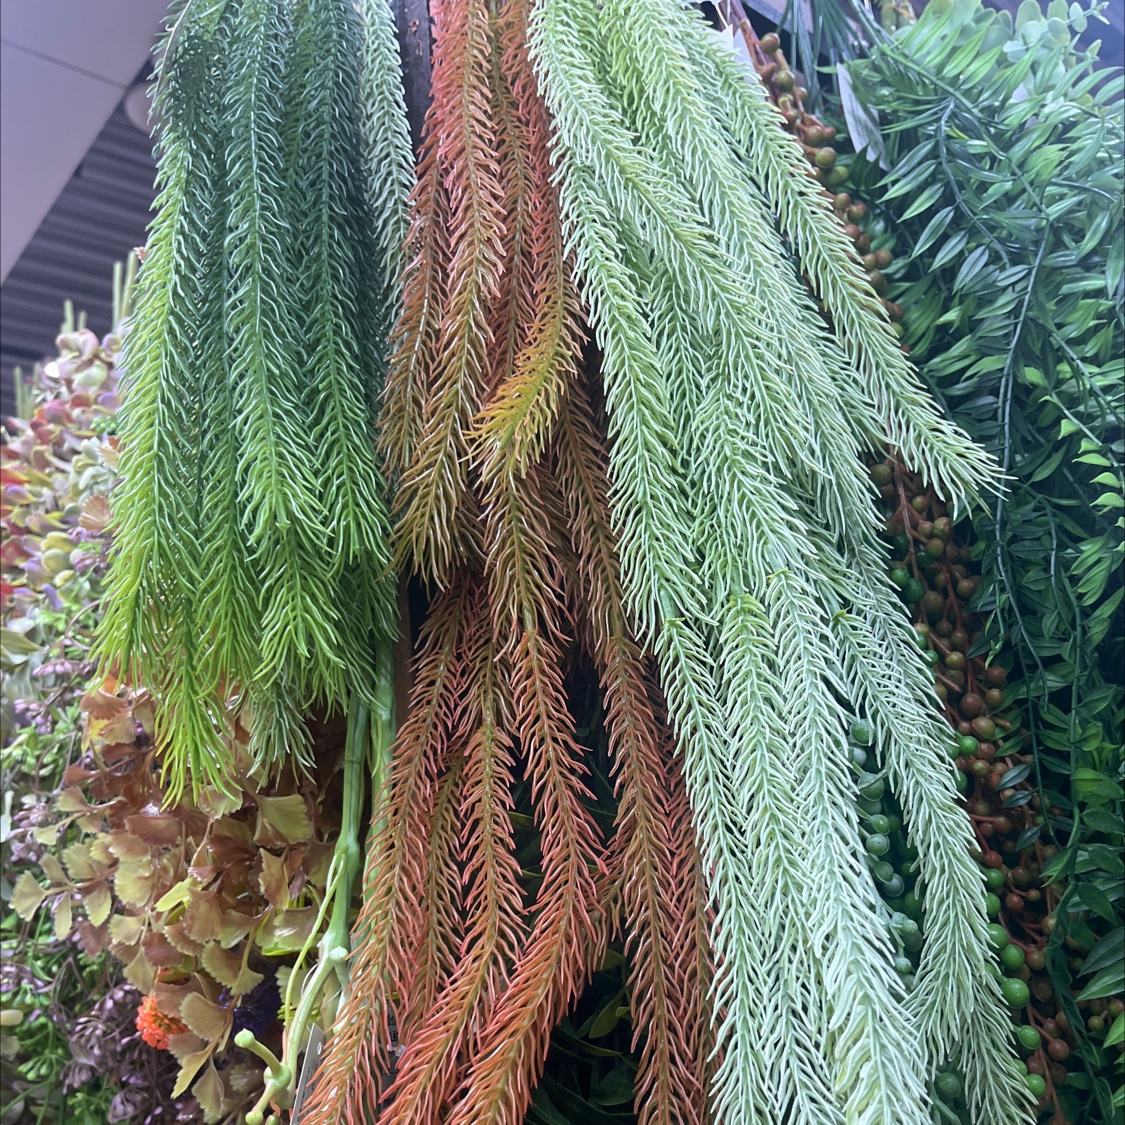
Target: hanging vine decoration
[(501, 506), (252, 556), (739, 421)]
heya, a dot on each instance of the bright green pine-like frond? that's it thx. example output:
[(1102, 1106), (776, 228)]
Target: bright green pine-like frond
[(252, 555), (909, 419), (385, 139), (150, 627), (739, 420)]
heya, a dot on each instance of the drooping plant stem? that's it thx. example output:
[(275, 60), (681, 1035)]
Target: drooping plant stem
[(252, 549), (738, 420)]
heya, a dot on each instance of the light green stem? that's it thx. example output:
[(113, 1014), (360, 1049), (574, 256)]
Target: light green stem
[(371, 732)]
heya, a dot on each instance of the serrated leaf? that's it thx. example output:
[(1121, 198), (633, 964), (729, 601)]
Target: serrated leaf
[(209, 1092), (135, 881), (73, 800), (209, 1021), (156, 831), (64, 917), (227, 967), (182, 1045), (174, 932), (98, 903), (27, 896), (126, 929), (53, 870), (274, 880), (77, 861), (189, 1067), (282, 820), (140, 973)]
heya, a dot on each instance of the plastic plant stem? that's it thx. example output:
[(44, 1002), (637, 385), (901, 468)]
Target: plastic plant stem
[(360, 749)]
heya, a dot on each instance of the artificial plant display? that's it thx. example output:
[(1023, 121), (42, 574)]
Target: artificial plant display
[(619, 392), (251, 540), (751, 429), (1005, 186)]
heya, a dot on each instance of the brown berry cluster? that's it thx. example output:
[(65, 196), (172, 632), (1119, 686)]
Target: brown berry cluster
[(932, 567), (816, 139)]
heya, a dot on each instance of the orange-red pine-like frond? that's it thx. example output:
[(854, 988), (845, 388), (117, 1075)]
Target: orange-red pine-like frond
[(436, 529), (655, 832), (415, 340), (493, 903), (393, 919), (536, 357), (554, 965)]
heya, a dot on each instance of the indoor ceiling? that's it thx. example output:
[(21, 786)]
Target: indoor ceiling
[(75, 176)]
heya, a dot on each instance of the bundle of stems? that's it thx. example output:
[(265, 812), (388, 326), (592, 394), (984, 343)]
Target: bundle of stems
[(501, 507), (252, 562), (748, 367)]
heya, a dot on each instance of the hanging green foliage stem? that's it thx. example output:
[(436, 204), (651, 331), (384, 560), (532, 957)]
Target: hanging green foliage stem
[(751, 565), (251, 547), (1006, 143)]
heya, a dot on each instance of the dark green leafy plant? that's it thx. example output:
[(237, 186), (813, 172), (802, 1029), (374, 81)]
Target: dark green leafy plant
[(1006, 146)]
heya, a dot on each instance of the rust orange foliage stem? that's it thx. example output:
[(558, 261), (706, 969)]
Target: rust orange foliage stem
[(436, 530), (392, 920), (659, 893)]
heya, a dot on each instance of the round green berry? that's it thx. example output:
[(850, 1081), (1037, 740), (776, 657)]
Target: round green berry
[(879, 823), (893, 886), (991, 905), (993, 879), (948, 1085), (997, 936), (967, 745), (861, 732), (878, 844), (882, 871), (1012, 957), (871, 788), (1028, 1037), (1016, 993), (1037, 1085)]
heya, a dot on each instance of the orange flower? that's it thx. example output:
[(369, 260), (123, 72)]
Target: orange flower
[(155, 1027)]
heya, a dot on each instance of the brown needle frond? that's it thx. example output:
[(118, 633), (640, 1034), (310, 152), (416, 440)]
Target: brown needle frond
[(553, 966), (493, 903), (415, 339), (659, 890), (436, 530), (393, 919), (539, 335)]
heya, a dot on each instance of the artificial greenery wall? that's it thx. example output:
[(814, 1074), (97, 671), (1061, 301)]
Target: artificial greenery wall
[(668, 725), (1005, 145)]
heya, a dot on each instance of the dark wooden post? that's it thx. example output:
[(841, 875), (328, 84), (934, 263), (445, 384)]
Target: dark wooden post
[(412, 19)]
